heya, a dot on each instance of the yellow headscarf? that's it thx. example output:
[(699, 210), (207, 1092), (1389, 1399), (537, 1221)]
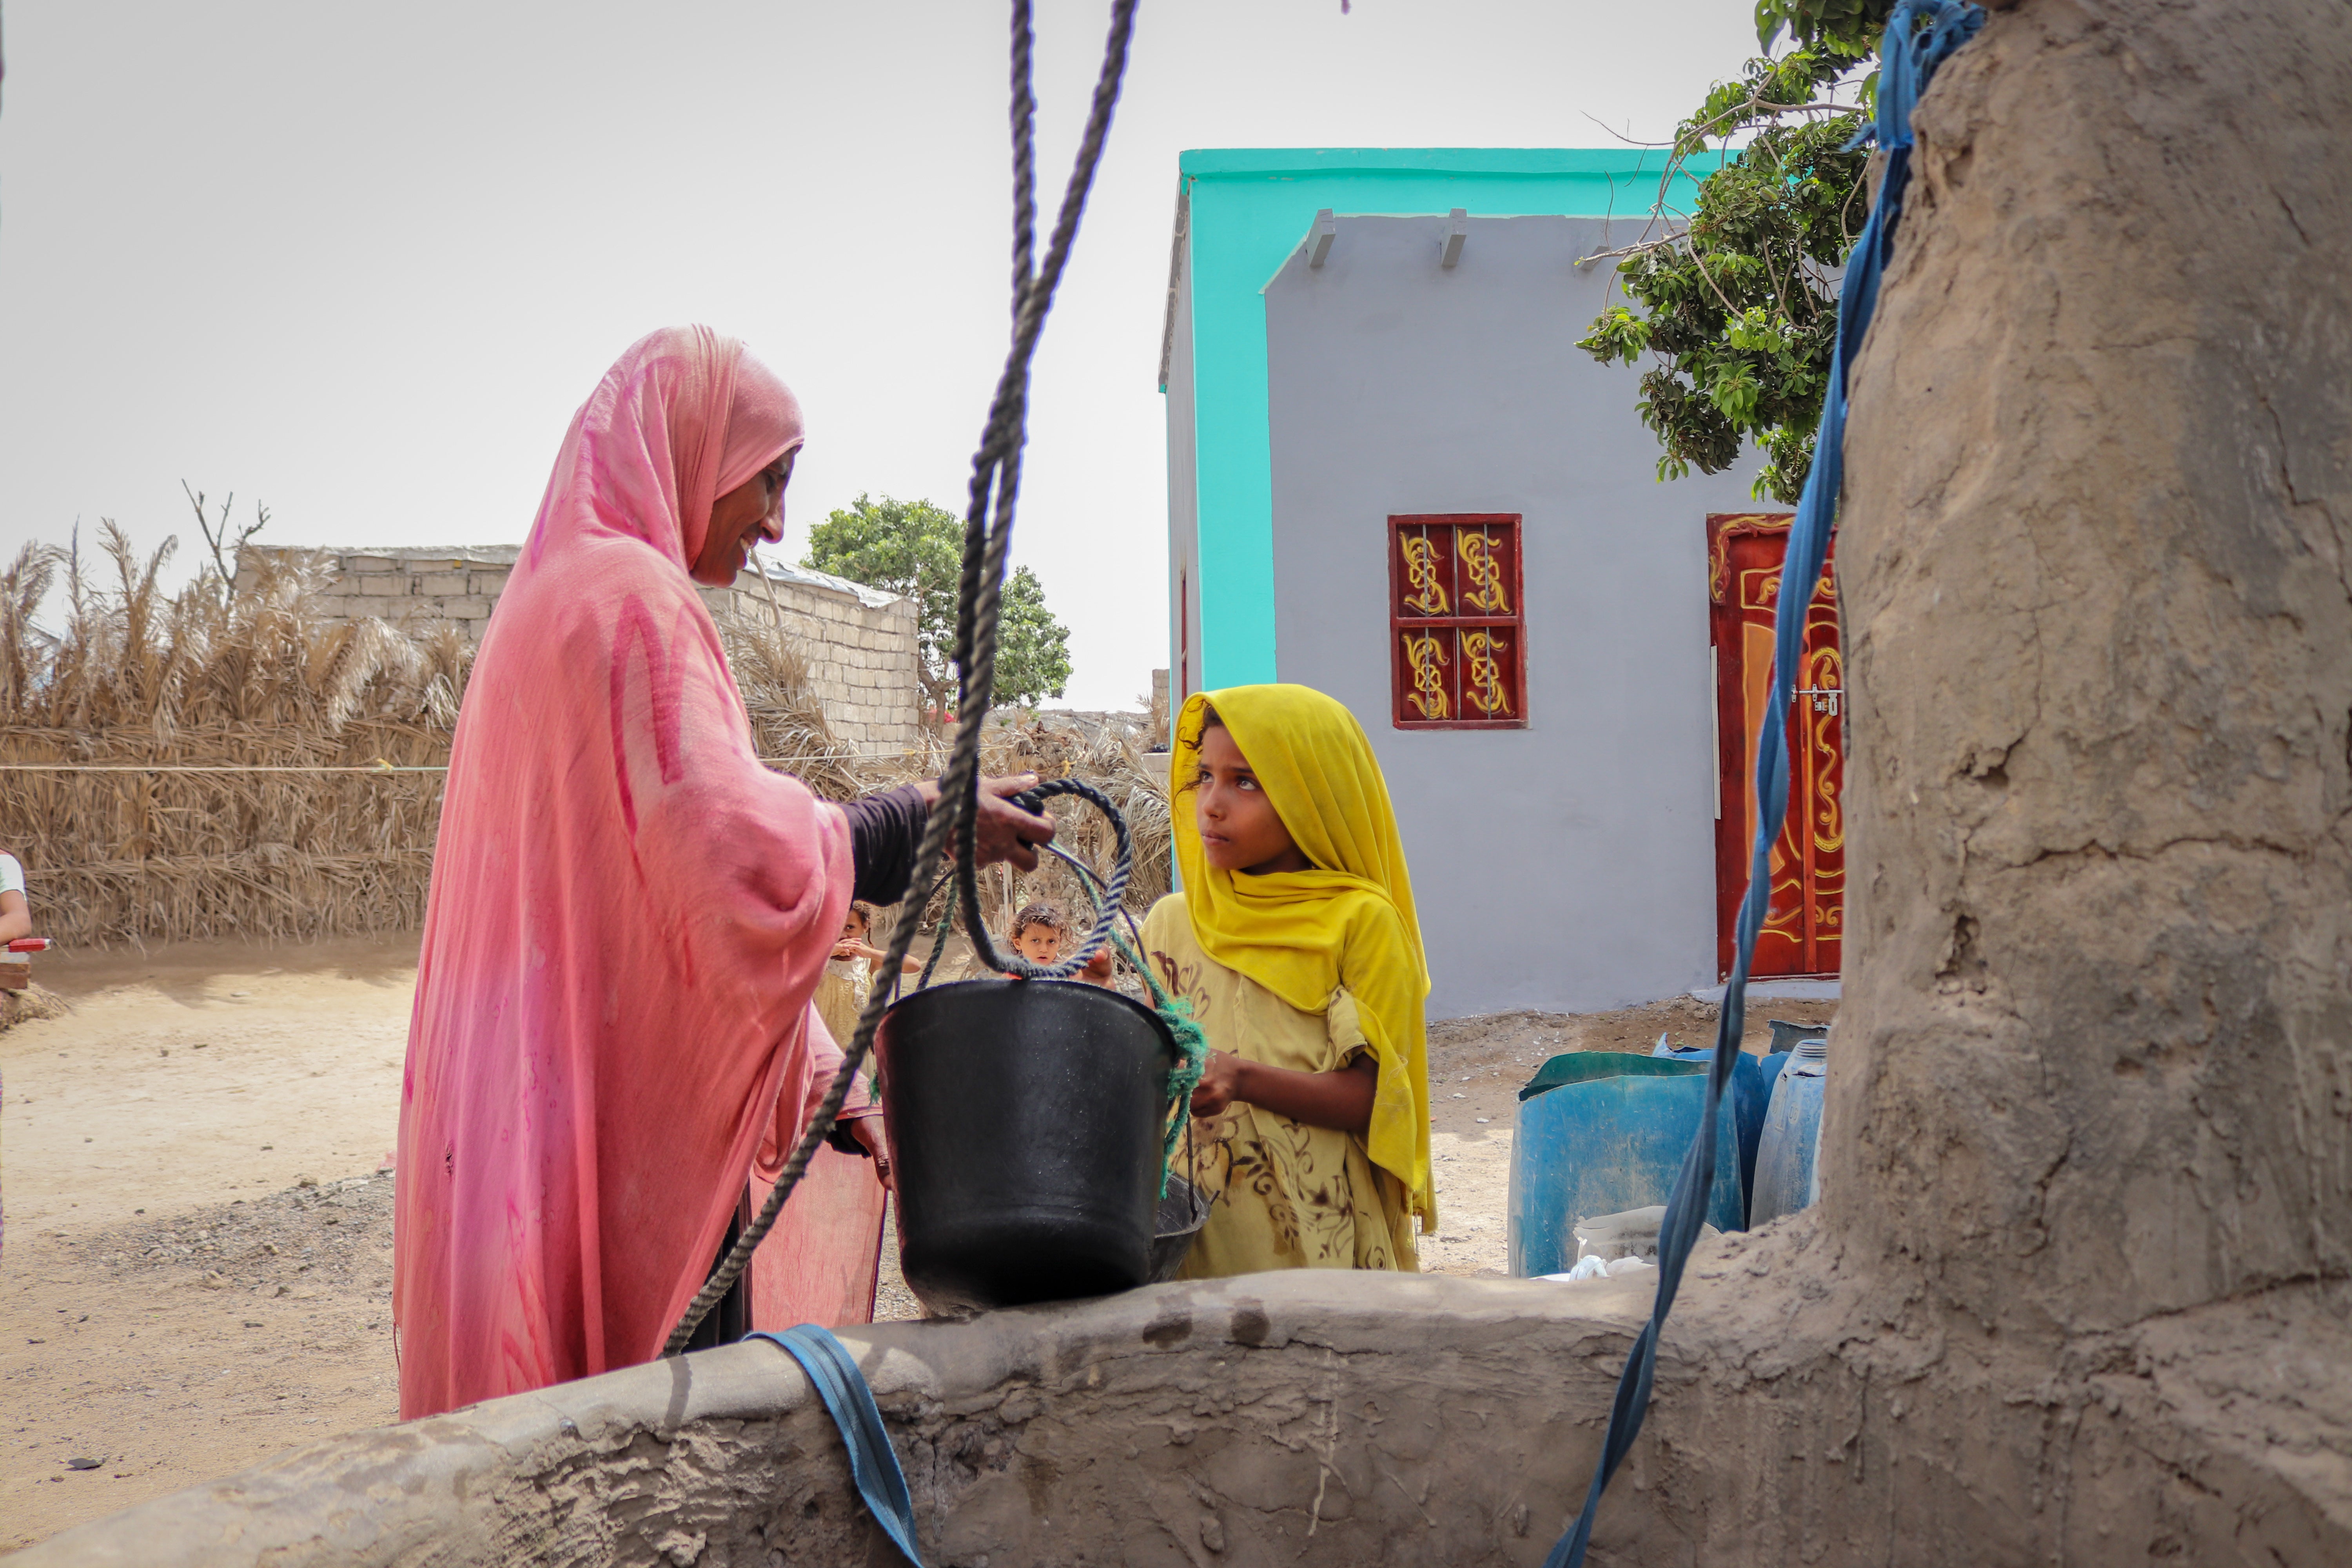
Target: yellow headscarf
[(1350, 921)]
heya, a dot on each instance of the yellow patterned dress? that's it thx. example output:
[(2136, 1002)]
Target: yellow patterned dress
[(1288, 1196)]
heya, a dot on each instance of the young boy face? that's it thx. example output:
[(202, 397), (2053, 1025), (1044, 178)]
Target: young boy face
[(1039, 943)]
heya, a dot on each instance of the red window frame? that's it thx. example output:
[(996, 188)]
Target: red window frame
[(1457, 622)]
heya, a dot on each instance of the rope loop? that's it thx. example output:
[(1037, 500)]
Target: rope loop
[(1107, 904)]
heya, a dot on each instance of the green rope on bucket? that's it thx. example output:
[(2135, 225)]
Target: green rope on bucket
[(1190, 1043)]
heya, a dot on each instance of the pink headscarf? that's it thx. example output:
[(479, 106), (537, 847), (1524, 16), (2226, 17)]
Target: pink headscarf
[(628, 916)]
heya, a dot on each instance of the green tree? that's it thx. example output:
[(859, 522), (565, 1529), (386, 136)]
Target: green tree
[(917, 549), (1033, 649), (1739, 305)]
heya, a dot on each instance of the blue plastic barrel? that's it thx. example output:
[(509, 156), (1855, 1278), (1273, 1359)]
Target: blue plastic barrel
[(1600, 1133), (1751, 1095), (1786, 1153)]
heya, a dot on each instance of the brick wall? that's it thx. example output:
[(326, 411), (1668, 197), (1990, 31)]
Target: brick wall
[(860, 642), (454, 584)]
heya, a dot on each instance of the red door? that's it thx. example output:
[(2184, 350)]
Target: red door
[(1805, 921)]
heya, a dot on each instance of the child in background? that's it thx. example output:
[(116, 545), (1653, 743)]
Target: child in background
[(1296, 943), (1037, 937), (848, 978)]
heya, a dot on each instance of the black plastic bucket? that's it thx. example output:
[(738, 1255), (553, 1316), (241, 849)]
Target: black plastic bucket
[(1026, 1120)]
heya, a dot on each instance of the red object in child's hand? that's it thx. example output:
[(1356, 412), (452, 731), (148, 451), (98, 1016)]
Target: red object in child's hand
[(29, 945)]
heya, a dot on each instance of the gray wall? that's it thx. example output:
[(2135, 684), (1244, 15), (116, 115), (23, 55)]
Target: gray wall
[(1569, 865)]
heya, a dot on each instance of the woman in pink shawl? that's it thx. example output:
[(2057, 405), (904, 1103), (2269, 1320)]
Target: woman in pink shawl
[(613, 1033)]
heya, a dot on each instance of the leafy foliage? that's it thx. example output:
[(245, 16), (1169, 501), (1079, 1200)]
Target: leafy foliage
[(1850, 27), (1740, 308), (917, 549), (1033, 649)]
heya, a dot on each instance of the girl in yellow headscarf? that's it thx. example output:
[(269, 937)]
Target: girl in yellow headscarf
[(1296, 943)]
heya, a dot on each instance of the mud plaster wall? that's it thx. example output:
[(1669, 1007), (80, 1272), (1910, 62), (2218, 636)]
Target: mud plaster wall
[(2077, 1287), (2099, 644), (1313, 1417)]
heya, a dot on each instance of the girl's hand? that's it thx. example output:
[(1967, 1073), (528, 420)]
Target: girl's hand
[(1221, 1083), (1342, 1100), (1098, 971)]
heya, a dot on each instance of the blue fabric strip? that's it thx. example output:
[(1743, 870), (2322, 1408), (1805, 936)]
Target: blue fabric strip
[(872, 1463), (1920, 34)]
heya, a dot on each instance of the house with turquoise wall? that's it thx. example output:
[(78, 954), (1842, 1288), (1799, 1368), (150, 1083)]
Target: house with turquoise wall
[(1394, 477)]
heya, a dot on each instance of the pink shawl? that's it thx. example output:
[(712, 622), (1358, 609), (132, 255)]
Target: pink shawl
[(628, 917)]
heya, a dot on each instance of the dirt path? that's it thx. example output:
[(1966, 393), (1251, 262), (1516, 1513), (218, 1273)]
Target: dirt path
[(173, 1304), (198, 1271)]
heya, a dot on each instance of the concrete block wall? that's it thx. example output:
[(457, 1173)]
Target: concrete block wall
[(458, 585), (859, 641)]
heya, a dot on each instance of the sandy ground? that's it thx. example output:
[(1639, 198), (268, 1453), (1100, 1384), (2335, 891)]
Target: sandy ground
[(197, 1269), (173, 1304)]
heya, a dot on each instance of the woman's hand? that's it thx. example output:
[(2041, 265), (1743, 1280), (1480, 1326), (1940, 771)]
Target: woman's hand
[(1005, 831), (869, 1131)]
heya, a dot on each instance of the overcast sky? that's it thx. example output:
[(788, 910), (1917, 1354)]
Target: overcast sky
[(362, 262)]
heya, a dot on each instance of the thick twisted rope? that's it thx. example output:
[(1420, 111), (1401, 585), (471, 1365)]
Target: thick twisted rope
[(996, 477)]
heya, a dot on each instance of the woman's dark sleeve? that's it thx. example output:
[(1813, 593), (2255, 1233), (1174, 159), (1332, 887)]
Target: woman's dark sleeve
[(886, 831)]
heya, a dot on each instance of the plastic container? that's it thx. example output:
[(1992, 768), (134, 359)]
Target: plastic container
[(1787, 1155), (1024, 1127), (1599, 1133), (1785, 1039), (1751, 1094)]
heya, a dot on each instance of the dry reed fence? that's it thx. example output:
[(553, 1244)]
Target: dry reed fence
[(108, 727)]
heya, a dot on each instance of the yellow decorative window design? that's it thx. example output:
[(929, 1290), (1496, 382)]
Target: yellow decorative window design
[(1456, 633)]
